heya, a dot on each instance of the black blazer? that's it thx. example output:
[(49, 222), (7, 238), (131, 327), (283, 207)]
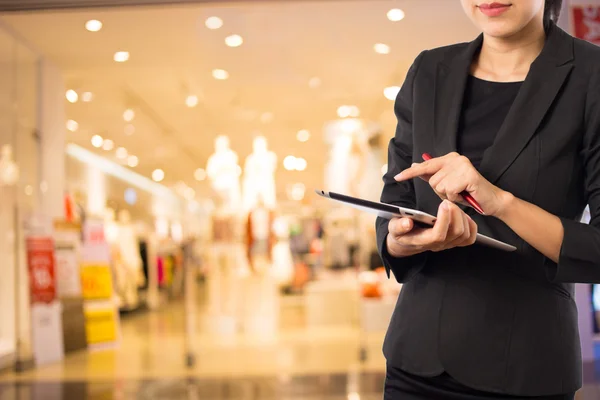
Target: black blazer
[(497, 321)]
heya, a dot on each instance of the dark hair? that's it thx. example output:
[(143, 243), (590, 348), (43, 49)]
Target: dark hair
[(552, 11)]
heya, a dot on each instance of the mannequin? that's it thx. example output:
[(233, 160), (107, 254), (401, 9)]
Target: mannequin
[(9, 172), (337, 176), (228, 258), (111, 233), (129, 247), (370, 186), (224, 174), (259, 176), (127, 263)]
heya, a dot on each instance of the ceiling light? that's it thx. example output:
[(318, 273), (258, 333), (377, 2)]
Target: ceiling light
[(391, 92), (343, 111), (348, 111), (382, 48), (266, 117), (108, 145), (189, 193), (303, 135), (289, 163), (158, 175), (395, 15), (234, 40), (72, 96), (121, 153), (296, 191), (200, 174), (129, 115), (130, 196), (214, 23), (129, 129), (93, 25), (220, 74), (191, 101), (97, 141), (314, 83), (133, 161), (72, 125), (121, 56), (87, 97), (300, 164)]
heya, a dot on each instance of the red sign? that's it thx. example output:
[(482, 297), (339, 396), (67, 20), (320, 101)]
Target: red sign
[(586, 23), (40, 262)]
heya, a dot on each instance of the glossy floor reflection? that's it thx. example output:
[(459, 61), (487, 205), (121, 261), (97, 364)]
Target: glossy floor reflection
[(323, 387), (352, 386), (152, 347), (300, 363)]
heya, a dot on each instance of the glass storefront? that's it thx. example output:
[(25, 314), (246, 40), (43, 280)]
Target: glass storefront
[(20, 189)]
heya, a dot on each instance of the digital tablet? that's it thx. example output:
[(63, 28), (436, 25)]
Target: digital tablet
[(388, 211)]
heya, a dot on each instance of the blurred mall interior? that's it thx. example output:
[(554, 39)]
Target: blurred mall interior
[(159, 229)]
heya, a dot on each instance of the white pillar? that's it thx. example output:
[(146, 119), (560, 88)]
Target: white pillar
[(52, 131), (49, 184)]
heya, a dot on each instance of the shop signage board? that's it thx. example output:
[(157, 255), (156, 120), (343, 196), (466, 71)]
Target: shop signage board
[(102, 323), (67, 248), (96, 280), (586, 23), (40, 263), (46, 310)]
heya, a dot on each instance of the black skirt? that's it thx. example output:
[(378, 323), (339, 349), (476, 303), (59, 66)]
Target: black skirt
[(400, 385)]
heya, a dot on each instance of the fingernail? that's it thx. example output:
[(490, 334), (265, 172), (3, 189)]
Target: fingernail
[(445, 205), (406, 224), (398, 177)]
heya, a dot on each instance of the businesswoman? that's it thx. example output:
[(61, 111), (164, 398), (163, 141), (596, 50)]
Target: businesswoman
[(513, 118)]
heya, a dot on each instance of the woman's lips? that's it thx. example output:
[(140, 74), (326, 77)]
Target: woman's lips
[(493, 9)]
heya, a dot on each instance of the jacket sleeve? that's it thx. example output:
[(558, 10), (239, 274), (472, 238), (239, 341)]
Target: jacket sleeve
[(579, 260), (400, 152)]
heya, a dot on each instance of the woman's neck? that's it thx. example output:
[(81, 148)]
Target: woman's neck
[(508, 59)]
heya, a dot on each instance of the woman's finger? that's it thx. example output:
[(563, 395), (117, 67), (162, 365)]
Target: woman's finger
[(426, 168)]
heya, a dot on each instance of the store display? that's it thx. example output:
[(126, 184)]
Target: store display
[(260, 238), (102, 321), (283, 262)]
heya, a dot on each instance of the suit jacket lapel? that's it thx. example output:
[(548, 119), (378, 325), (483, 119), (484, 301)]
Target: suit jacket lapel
[(450, 83), (544, 80)]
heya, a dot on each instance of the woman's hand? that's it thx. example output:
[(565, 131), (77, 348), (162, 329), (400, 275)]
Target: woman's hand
[(452, 174), (453, 228)]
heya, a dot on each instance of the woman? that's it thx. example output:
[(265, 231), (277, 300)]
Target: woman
[(513, 118)]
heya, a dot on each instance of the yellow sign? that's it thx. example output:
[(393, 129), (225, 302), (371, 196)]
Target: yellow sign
[(101, 326), (96, 282)]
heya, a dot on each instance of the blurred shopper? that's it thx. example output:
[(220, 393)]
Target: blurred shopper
[(513, 118)]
